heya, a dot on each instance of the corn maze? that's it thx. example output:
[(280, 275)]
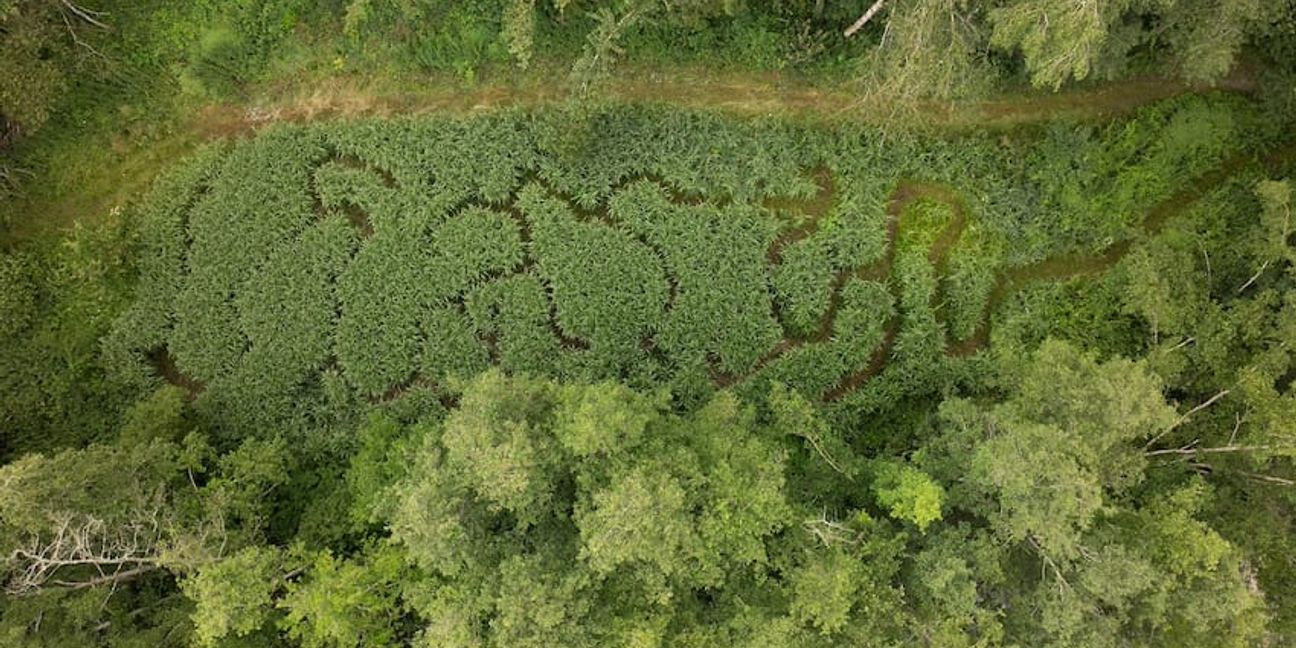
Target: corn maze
[(373, 258)]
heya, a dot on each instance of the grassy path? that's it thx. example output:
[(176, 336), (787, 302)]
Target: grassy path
[(746, 94), (122, 168)]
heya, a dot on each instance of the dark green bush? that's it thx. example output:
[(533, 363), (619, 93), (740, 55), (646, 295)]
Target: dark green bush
[(17, 295), (217, 65)]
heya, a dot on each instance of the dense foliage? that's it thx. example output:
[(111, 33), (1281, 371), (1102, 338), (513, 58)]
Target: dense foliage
[(583, 373), (682, 381)]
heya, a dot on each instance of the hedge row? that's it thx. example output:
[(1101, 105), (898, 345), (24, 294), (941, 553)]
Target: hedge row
[(446, 161), (258, 201), (287, 312), (162, 222)]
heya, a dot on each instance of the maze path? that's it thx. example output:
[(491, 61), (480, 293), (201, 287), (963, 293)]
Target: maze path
[(1070, 266), (813, 210)]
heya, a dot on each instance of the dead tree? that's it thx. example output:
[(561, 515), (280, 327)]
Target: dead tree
[(81, 551), (84, 551)]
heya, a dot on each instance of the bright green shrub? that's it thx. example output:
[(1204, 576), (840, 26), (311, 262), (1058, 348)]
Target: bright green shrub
[(921, 223), (347, 602), (907, 493), (233, 596)]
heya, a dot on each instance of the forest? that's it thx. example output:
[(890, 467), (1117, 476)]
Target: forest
[(648, 323)]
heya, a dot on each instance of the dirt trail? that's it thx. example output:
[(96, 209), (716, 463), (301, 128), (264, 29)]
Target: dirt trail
[(1070, 266), (1007, 282), (165, 366), (748, 94), (906, 193), (813, 209), (743, 94)]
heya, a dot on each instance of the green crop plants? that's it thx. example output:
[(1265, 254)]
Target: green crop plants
[(608, 288), (400, 275), (678, 248), (717, 256), (513, 314)]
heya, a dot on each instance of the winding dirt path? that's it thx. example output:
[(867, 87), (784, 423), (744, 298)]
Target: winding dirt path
[(1006, 283), (1070, 266), (905, 193), (813, 210), (749, 94)]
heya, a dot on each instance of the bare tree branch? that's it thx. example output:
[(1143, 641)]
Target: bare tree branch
[(868, 15), (76, 38), (78, 551), (1269, 479), (1184, 419), (86, 542), (88, 15), (1049, 561), (814, 443), (1253, 277), (830, 532), (1191, 450), (114, 578)]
